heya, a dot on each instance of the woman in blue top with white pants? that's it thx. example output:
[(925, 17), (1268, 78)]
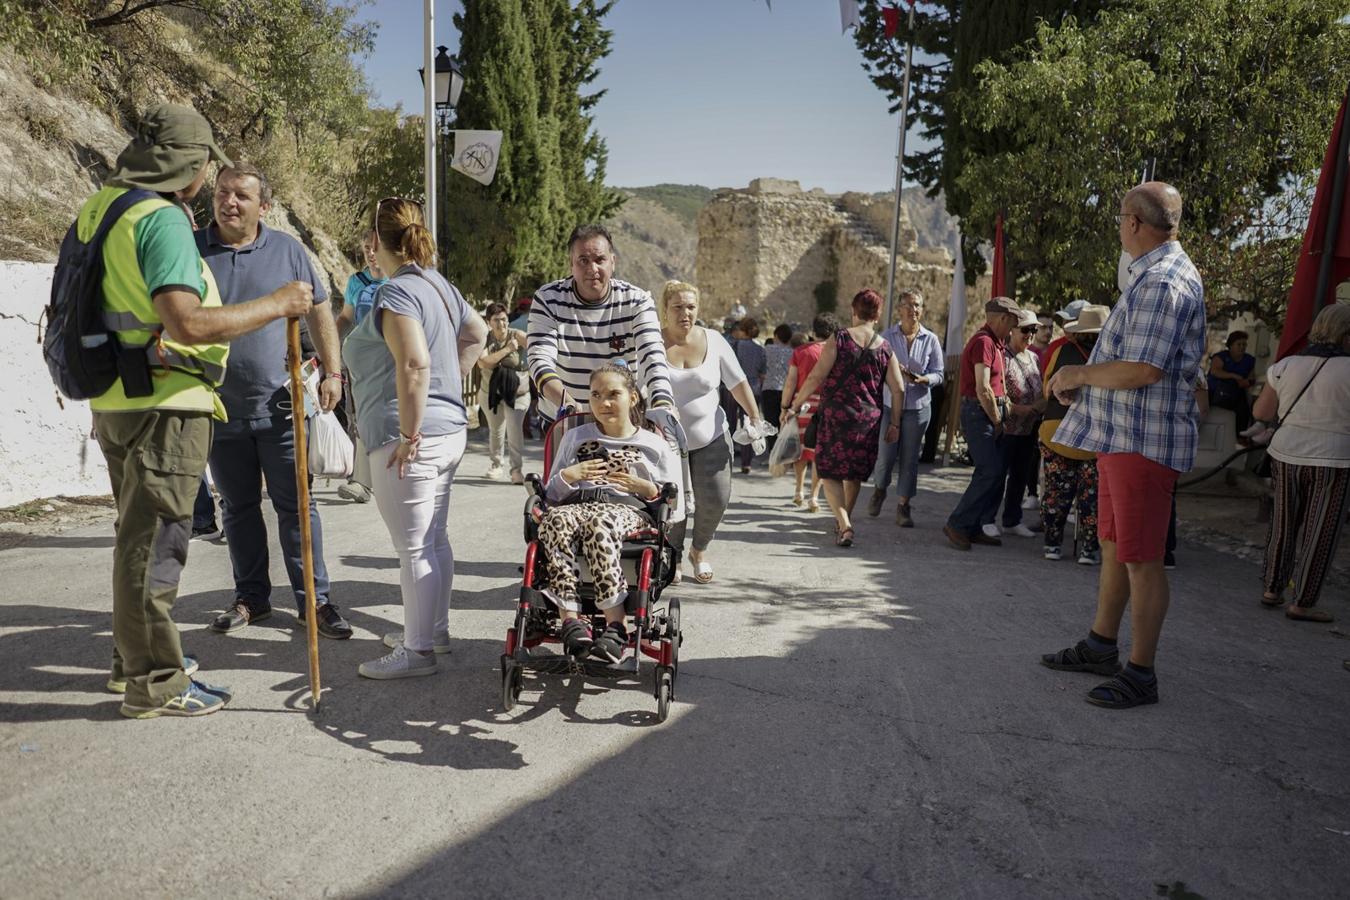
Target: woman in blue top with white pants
[(408, 358)]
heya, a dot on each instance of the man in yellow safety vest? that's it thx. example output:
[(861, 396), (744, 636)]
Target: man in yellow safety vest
[(155, 423)]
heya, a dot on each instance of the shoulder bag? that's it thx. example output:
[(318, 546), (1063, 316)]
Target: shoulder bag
[(809, 436)]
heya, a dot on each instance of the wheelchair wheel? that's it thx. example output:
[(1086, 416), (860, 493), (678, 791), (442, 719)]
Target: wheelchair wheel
[(513, 679), (663, 691), (673, 630)]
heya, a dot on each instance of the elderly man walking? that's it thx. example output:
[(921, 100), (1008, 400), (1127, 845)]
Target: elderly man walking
[(257, 442), (984, 405), (590, 318), (1133, 405), (154, 424)]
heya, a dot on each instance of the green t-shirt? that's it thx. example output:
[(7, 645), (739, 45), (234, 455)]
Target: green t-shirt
[(167, 253)]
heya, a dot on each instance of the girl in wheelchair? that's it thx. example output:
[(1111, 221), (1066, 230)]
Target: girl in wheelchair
[(603, 475)]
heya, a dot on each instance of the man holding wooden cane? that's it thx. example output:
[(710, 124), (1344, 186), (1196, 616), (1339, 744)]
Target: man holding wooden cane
[(154, 424), (258, 442)]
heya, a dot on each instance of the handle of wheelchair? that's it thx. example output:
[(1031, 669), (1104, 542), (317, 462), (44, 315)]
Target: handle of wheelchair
[(670, 492), (536, 484)]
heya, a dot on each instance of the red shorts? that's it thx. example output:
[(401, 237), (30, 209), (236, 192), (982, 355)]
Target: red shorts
[(1134, 505)]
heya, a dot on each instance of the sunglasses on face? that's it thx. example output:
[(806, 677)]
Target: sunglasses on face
[(1031, 329)]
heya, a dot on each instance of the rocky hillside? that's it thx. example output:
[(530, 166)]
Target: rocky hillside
[(657, 230)]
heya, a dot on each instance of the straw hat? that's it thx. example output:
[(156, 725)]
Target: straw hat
[(1090, 320)]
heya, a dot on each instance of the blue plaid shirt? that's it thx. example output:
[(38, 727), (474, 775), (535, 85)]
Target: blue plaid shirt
[(1159, 320)]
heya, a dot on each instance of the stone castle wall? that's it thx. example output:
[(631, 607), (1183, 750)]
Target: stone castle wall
[(769, 246)]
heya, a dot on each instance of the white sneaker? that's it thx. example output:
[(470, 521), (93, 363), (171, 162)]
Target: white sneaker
[(1087, 558), (496, 473), (398, 663), (1021, 530), (991, 530), (1030, 503), (1054, 553), (440, 643), (354, 491)]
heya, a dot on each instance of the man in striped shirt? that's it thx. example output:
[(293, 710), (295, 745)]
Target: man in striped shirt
[(588, 319)]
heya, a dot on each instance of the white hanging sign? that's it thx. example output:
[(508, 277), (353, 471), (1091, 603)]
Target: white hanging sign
[(476, 154)]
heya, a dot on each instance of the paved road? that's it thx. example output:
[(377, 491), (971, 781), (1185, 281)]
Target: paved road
[(868, 723)]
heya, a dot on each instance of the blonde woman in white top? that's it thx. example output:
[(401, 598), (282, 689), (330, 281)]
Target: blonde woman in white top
[(1309, 394), (700, 362)]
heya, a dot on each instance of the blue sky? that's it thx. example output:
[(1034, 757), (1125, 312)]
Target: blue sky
[(711, 92)]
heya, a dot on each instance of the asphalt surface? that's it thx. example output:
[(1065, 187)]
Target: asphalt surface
[(849, 723)]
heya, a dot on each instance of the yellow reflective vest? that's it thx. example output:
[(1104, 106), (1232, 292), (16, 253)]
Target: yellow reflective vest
[(184, 376)]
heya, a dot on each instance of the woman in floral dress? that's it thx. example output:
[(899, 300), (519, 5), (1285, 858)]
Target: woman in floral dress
[(853, 366)]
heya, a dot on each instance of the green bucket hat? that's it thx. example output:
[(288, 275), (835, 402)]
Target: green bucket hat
[(168, 150)]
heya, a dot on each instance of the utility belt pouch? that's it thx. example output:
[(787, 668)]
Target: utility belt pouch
[(133, 368)]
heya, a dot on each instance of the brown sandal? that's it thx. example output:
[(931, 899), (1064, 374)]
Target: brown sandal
[(1312, 615), (1270, 602), (843, 538)]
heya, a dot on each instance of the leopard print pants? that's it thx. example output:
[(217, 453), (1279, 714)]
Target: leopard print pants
[(597, 531)]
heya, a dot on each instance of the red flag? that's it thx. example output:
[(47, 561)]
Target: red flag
[(1329, 211), (999, 287), (891, 16)]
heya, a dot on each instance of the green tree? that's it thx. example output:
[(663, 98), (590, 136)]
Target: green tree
[(952, 38), (527, 62), (1232, 100)]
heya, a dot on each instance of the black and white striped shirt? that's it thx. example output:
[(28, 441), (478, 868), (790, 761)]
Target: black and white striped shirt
[(569, 338)]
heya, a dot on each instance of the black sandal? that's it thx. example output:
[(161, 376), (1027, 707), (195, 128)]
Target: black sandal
[(1123, 692), (609, 646), (843, 538), (1082, 658)]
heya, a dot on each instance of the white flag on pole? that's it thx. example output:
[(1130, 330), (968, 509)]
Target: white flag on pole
[(476, 154), (956, 310), (849, 16)]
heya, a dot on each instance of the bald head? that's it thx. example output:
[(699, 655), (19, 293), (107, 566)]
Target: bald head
[(1157, 205)]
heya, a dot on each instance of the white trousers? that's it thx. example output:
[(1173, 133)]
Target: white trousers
[(415, 509), (506, 425)]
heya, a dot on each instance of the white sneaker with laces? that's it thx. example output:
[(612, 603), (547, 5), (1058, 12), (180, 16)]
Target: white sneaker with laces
[(354, 491), (1030, 503), (1054, 554), (1021, 530), (440, 643), (496, 473), (399, 663), (991, 530)]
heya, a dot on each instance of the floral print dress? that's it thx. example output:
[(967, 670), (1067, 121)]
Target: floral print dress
[(850, 424)]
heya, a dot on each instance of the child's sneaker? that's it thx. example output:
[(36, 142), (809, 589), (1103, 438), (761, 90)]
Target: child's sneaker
[(1054, 553), (194, 701), (610, 644), (576, 637)]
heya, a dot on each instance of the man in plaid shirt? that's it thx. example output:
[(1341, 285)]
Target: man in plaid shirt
[(1133, 405)]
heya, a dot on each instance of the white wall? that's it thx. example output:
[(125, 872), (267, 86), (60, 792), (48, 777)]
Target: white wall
[(45, 450)]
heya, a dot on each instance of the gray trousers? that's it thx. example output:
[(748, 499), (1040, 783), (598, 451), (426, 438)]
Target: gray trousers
[(710, 471)]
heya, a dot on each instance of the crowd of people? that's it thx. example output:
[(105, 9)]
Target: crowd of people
[(1095, 425)]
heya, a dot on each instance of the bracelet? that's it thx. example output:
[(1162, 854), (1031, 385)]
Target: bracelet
[(338, 375), (412, 440)]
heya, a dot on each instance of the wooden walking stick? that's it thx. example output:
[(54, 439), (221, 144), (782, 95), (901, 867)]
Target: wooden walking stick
[(302, 492)]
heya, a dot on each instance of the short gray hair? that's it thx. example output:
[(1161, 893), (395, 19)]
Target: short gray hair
[(1331, 326)]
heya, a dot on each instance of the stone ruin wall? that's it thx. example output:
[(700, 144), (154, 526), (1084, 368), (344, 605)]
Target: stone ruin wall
[(770, 245)]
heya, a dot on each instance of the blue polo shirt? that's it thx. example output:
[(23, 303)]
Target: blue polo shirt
[(257, 381)]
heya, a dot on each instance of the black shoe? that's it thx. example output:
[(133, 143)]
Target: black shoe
[(902, 516), (576, 637), (331, 623), (1082, 658), (238, 616), (1169, 560), (208, 532), (979, 537), (609, 646)]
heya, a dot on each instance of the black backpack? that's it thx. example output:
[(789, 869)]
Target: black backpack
[(81, 352)]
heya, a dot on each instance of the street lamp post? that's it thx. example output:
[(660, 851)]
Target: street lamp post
[(448, 85)]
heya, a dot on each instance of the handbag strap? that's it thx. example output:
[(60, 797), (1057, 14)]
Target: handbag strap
[(445, 301), (1299, 397), (857, 364)]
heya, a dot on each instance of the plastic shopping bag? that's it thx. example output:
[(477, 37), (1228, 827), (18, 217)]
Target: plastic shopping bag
[(786, 449), (754, 432), (331, 454)]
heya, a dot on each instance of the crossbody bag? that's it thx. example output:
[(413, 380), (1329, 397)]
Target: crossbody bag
[(809, 436)]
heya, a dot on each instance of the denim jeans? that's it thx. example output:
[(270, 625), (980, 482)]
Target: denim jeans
[(204, 508), (978, 503), (243, 453), (1020, 453), (913, 426)]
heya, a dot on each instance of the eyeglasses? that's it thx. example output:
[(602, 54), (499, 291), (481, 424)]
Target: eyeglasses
[(1031, 329), (1123, 216)]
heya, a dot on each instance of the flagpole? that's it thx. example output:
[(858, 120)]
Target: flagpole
[(429, 115), (899, 169), (1333, 231)]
